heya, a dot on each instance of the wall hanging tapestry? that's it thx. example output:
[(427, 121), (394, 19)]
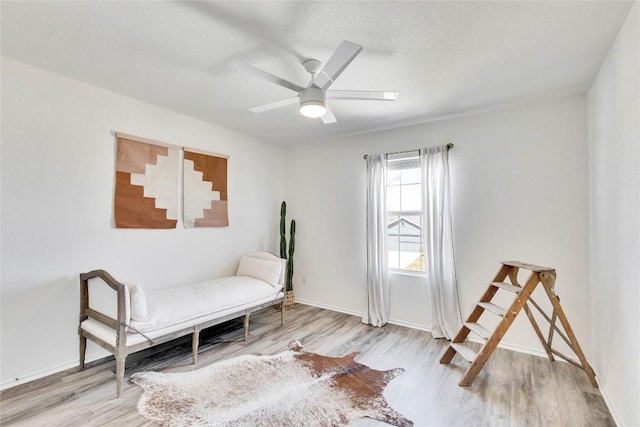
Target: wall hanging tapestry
[(205, 189), (146, 194), (293, 388)]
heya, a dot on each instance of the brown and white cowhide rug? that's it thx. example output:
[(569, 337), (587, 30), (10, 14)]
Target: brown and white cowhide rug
[(293, 388)]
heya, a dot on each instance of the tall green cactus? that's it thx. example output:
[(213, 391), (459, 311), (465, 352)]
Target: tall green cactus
[(283, 245), (292, 245), (283, 226)]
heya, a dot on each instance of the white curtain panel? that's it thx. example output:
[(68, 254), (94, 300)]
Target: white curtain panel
[(376, 312), (438, 238)]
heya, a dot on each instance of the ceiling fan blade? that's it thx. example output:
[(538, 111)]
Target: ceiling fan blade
[(273, 105), (340, 59), (264, 75), (328, 117), (363, 94)]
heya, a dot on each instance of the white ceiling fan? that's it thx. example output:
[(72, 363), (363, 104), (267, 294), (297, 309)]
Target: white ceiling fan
[(313, 97)]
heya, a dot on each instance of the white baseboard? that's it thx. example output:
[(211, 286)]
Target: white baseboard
[(409, 325), (328, 307), (607, 400), (37, 375), (358, 314), (51, 371)]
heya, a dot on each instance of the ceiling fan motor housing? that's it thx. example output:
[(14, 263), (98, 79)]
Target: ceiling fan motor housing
[(312, 94)]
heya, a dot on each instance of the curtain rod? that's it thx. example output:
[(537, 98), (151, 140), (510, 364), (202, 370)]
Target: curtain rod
[(449, 147)]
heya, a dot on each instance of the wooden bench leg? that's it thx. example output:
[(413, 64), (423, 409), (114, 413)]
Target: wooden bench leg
[(246, 324), (120, 364), (282, 312), (83, 350), (195, 342)]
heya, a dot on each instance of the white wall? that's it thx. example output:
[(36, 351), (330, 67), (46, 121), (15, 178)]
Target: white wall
[(519, 183), (614, 181), (57, 209)]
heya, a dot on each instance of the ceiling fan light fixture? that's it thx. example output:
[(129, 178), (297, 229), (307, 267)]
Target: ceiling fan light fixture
[(312, 102), (313, 109)]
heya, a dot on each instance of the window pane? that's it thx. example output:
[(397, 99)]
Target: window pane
[(409, 257), (411, 176), (393, 198), (411, 199), (416, 220), (393, 259), (393, 177), (417, 264)]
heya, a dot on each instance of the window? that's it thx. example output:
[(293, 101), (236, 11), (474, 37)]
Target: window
[(404, 212)]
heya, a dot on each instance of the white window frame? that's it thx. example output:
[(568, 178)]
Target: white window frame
[(406, 160)]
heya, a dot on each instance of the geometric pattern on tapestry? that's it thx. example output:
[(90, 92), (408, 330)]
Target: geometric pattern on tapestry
[(205, 202), (146, 194)]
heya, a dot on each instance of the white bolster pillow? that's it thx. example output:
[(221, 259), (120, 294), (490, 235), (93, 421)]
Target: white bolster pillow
[(268, 271), (139, 310)]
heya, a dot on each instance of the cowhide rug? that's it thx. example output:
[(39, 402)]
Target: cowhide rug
[(293, 388)]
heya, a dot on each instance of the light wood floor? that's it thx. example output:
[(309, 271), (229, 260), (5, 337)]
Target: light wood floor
[(513, 389)]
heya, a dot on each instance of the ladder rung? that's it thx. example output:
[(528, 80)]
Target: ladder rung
[(478, 329), (468, 354), (507, 287), (495, 309)]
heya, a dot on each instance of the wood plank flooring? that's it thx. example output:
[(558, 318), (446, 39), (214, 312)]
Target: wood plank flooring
[(513, 389)]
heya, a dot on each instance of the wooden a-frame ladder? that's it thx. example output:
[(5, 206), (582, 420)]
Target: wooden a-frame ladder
[(509, 269)]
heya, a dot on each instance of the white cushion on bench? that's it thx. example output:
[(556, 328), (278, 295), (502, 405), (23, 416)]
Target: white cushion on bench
[(175, 305)]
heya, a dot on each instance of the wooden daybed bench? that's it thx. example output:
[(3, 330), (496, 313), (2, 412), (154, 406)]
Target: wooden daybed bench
[(145, 319)]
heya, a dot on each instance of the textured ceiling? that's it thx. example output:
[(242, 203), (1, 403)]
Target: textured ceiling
[(444, 58)]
